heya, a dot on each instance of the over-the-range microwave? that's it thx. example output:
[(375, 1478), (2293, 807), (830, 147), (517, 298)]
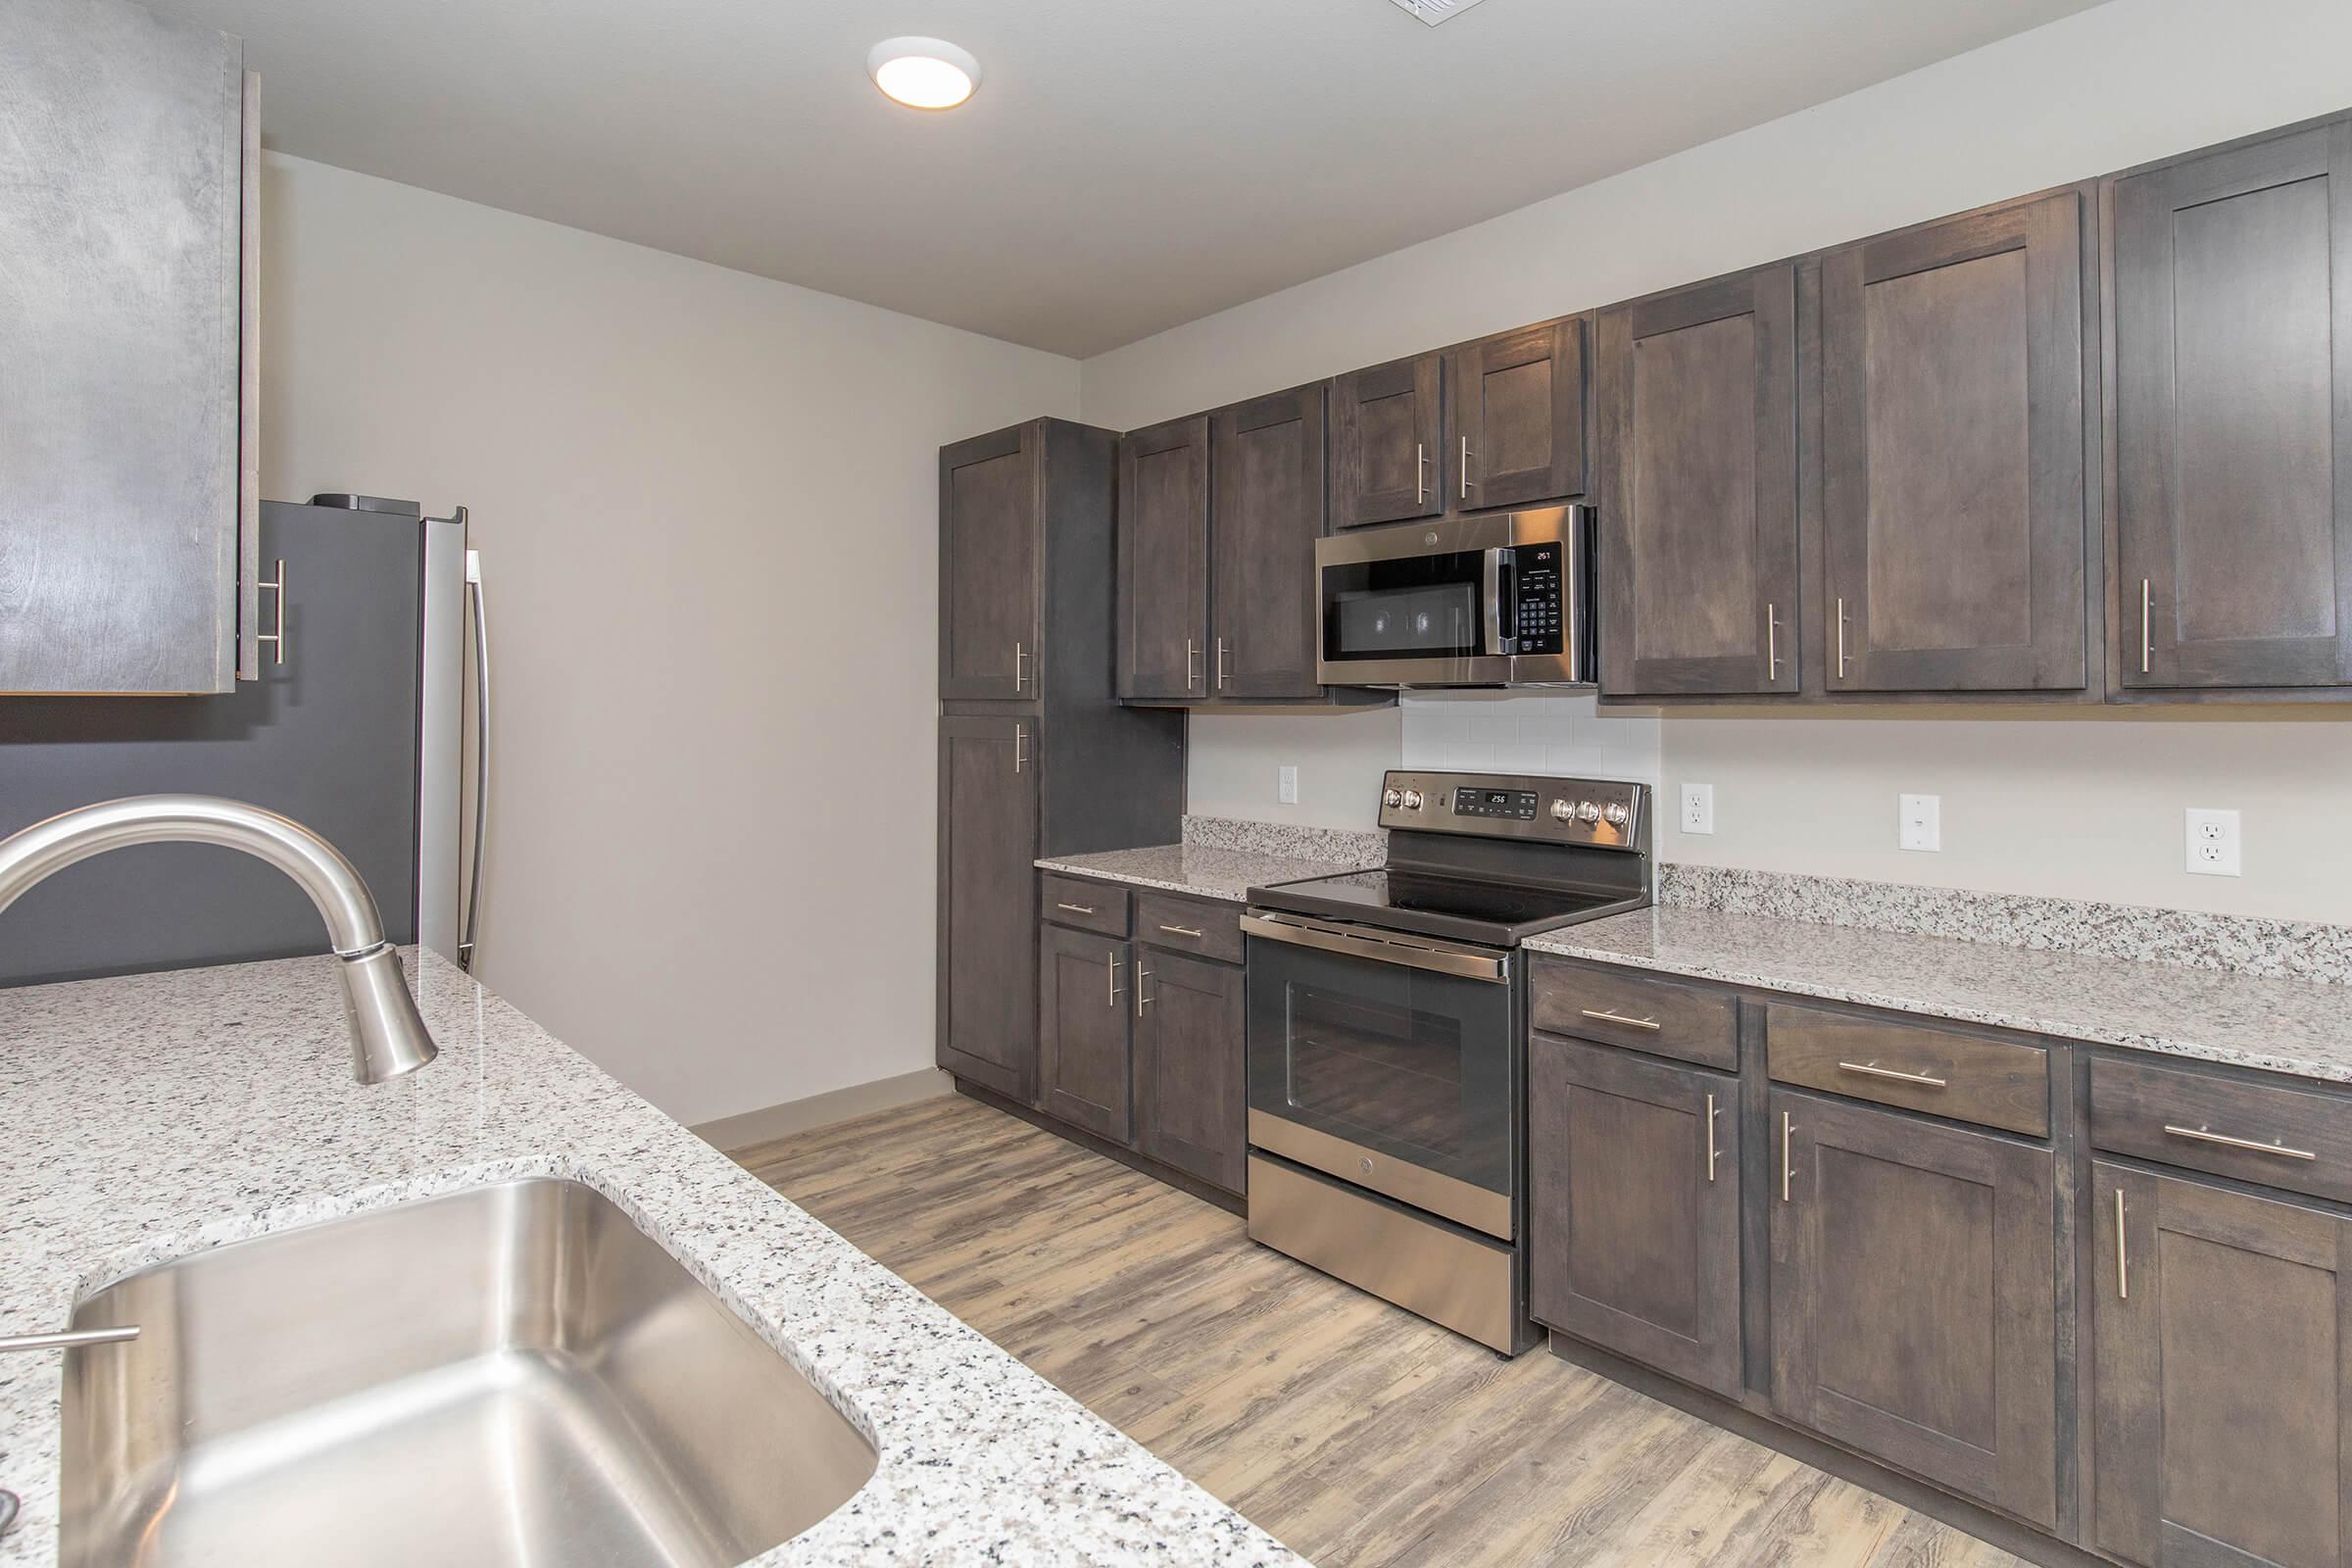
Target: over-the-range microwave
[(1497, 600)]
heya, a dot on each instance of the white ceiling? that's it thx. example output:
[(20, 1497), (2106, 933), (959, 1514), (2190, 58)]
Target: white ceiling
[(1124, 166)]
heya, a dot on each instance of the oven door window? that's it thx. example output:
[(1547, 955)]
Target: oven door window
[(1406, 1063), (1419, 607)]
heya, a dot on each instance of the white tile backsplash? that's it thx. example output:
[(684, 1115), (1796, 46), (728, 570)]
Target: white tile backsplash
[(1527, 732)]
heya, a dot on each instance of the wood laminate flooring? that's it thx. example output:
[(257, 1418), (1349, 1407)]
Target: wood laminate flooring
[(1351, 1429)]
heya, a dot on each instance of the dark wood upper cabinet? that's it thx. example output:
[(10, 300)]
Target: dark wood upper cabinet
[(2234, 417), (1084, 997), (2222, 1373), (1954, 499), (1268, 474), (1387, 458), (1191, 1092), (1515, 416), (1695, 398), (1913, 1289), (1164, 561), (990, 551), (1634, 1207), (988, 811)]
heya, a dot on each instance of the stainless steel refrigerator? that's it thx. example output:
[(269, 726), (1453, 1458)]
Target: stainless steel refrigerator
[(372, 669)]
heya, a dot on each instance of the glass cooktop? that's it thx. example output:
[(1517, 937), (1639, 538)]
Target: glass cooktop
[(1499, 914)]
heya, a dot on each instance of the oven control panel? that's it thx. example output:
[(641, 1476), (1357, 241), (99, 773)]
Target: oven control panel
[(1603, 814)]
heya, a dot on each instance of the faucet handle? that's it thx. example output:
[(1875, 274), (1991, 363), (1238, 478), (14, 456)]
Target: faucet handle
[(68, 1340)]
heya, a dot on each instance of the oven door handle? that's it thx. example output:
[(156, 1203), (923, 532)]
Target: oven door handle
[(1464, 964)]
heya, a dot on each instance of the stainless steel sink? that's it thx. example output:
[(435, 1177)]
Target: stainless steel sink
[(512, 1375)]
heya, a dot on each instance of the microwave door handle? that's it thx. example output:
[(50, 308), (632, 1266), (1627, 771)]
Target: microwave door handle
[(1492, 598)]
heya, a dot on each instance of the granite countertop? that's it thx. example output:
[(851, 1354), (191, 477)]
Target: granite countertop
[(2302, 1027), (1203, 871), (156, 1115)]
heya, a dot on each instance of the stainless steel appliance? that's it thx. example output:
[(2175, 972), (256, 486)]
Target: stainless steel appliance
[(1496, 601), (356, 729), (1388, 1036)]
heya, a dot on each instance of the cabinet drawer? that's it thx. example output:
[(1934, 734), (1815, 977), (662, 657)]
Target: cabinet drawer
[(1623, 1010), (2256, 1131), (1089, 906), (1997, 1083), (1211, 930)]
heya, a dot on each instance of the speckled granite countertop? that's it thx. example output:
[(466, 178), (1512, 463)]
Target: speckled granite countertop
[(161, 1115), (2302, 1027), (1201, 870)]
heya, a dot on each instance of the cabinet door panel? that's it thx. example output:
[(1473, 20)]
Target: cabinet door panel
[(1913, 1276), (990, 524), (2221, 1364), (1192, 1095), (987, 905), (1386, 466), (1084, 995), (1696, 398), (1269, 487), (1634, 1208), (1953, 484), (1164, 561), (1517, 407), (2233, 399)]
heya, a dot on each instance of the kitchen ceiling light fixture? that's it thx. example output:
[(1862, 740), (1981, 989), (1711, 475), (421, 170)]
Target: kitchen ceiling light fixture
[(1434, 11), (923, 73)]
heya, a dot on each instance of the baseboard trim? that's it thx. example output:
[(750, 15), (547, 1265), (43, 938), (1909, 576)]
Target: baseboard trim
[(731, 1134)]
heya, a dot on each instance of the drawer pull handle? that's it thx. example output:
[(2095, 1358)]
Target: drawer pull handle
[(1603, 1015), (1183, 931), (1076, 908), (1871, 1070), (1710, 1138), (2207, 1135)]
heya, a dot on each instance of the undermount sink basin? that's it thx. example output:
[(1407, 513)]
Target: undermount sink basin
[(512, 1375)]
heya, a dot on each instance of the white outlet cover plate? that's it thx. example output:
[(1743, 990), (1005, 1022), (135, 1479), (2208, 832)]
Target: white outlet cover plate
[(1919, 822), (1286, 786), (2214, 846), (1698, 808)]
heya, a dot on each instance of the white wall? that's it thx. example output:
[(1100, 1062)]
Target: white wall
[(714, 775), (2125, 82)]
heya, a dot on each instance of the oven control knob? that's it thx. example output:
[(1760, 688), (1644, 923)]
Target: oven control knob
[(1563, 811), (1412, 799), (1588, 812), (1392, 799), (1616, 814)]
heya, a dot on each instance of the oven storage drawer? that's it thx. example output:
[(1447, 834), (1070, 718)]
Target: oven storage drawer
[(1994, 1083), (1190, 925), (1099, 906), (2255, 1130), (1623, 1010)]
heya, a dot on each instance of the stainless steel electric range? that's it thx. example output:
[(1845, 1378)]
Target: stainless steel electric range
[(1388, 1036)]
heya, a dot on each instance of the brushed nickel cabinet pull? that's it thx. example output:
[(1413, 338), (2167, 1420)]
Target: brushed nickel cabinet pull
[(2123, 1260), (1192, 660), (1420, 473), (1841, 639), (2147, 605), (1020, 748), (275, 639), (1772, 642), (1113, 960), (1142, 974), (2205, 1135), (1465, 467), (1603, 1015), (1224, 673), (1710, 1138), (1020, 667), (1871, 1070), (1076, 908), (1183, 931), (1787, 1128)]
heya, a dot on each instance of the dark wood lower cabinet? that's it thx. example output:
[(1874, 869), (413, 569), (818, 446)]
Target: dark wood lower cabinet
[(1191, 1092), (1633, 1200), (1914, 1270), (2222, 1360), (1083, 1002), (987, 853)]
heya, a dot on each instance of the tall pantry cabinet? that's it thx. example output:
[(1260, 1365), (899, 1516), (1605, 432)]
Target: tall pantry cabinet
[(1031, 735)]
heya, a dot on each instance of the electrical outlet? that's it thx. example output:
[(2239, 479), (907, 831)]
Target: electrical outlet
[(1919, 822), (1286, 786), (1699, 807), (2213, 842)]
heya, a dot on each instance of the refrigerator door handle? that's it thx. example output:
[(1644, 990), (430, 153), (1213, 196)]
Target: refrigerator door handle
[(482, 753)]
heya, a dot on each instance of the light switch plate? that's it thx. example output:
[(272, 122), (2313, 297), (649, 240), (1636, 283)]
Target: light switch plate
[(1919, 822), (1286, 786), (2213, 842), (1698, 808)]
